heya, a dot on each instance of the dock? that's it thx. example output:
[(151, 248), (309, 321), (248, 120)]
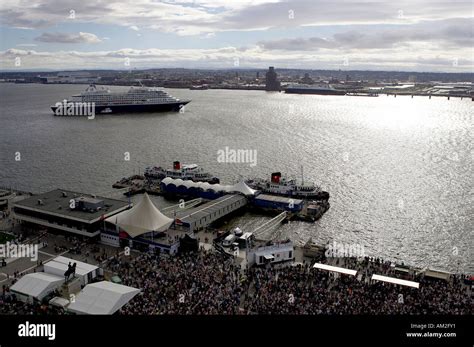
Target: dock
[(138, 184), (296, 209)]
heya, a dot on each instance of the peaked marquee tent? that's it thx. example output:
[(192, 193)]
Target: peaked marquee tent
[(142, 218)]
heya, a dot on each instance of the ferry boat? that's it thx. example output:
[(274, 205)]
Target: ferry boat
[(288, 187), (103, 100), (199, 87), (324, 89), (185, 172)]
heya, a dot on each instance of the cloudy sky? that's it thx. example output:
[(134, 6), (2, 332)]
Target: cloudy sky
[(117, 34)]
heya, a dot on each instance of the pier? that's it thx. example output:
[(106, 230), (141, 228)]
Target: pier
[(429, 95), (200, 217), (297, 209)]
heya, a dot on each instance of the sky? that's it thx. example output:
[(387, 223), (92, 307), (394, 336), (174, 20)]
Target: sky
[(309, 34)]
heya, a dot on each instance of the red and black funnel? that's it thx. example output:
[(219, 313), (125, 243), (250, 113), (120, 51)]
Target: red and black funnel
[(276, 177)]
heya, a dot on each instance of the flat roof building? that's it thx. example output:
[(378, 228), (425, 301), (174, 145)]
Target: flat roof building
[(274, 253), (281, 203), (68, 211), (201, 216)]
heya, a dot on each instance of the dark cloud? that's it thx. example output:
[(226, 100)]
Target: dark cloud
[(42, 14), (324, 12), (453, 32), (227, 16)]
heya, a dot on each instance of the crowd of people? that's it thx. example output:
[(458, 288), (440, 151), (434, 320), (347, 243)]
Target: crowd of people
[(209, 283), (10, 305), (193, 283), (302, 290)]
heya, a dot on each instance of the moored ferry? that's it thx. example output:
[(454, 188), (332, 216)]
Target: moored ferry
[(279, 185), (185, 172)]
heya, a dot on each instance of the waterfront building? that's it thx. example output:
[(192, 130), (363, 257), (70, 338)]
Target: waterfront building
[(271, 82), (275, 253), (200, 217), (279, 203), (67, 212), (72, 77), (6, 196), (306, 79)]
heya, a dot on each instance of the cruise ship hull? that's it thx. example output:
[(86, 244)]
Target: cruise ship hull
[(319, 195), (314, 91), (143, 108)]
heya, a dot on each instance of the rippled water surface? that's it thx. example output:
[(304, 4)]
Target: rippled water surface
[(399, 170)]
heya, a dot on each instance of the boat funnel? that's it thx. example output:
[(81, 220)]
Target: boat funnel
[(276, 177)]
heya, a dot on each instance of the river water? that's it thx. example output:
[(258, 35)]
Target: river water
[(399, 170)]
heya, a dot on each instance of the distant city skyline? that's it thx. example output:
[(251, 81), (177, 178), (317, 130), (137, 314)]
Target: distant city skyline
[(418, 36)]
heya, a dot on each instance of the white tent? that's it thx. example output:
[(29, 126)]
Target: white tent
[(243, 188), (102, 298), (335, 269), (142, 218), (240, 187), (36, 285), (84, 271), (396, 281), (59, 302), (191, 184)]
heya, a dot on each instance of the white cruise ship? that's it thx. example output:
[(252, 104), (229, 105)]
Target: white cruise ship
[(136, 99)]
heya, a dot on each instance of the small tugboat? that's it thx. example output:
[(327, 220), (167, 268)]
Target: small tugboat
[(185, 172), (288, 187)]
